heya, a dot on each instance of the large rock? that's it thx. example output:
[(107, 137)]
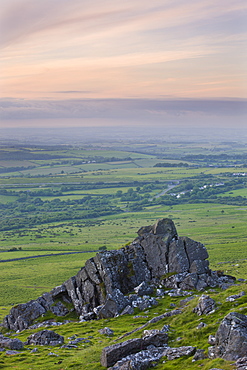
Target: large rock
[(145, 359), (231, 338), (45, 337), (14, 344), (206, 305), (111, 354), (157, 254)]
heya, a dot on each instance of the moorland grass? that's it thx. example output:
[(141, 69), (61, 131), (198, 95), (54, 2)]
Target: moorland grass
[(87, 355)]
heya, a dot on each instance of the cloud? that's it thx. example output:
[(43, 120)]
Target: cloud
[(123, 49), (146, 109), (73, 92)]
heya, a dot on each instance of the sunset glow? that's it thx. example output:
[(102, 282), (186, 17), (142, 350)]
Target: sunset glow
[(59, 50)]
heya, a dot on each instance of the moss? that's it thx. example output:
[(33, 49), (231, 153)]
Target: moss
[(166, 276), (131, 271), (103, 289)]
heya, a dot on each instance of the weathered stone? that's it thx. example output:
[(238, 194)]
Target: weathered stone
[(201, 325), (160, 292), (106, 331), (199, 355), (165, 227), (45, 337), (60, 289), (241, 363), (22, 315), (184, 302), (211, 340), (115, 352), (92, 271), (12, 353), (206, 305), (233, 298), (173, 353), (142, 360), (71, 289), (128, 310), (144, 289), (177, 258), (14, 344), (120, 299), (88, 316), (59, 309), (155, 249), (231, 338), (111, 354), (109, 309), (145, 302), (145, 230)]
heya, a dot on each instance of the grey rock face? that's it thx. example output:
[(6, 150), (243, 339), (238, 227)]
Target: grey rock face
[(241, 363), (129, 310), (22, 315), (199, 355), (173, 353), (143, 289), (45, 337), (231, 338), (142, 360), (98, 289)]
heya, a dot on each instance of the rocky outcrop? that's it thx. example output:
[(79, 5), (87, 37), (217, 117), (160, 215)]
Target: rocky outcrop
[(156, 256), (231, 338)]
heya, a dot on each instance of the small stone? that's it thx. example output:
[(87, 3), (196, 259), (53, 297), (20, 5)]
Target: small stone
[(106, 331), (128, 310), (201, 325), (199, 355), (12, 353), (211, 340), (35, 350)]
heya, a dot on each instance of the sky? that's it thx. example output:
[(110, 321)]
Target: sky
[(99, 62)]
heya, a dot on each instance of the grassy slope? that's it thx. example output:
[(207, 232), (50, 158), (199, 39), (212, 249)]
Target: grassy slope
[(87, 355)]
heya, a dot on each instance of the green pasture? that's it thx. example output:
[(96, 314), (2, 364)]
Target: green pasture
[(47, 170), (106, 153), (28, 279), (7, 198), (235, 193), (15, 163), (108, 174)]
